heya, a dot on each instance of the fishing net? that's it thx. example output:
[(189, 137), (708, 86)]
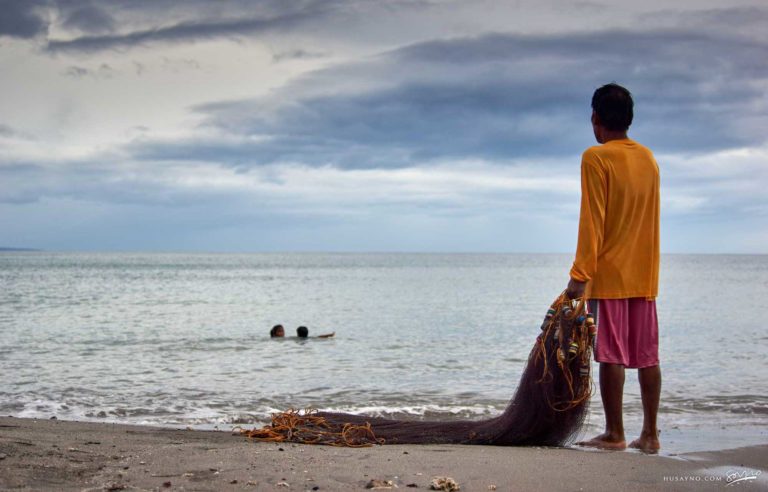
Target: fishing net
[(547, 409)]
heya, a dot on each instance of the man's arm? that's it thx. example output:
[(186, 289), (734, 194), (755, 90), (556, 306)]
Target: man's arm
[(591, 225)]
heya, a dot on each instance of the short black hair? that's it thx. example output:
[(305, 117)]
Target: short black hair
[(273, 331), (302, 332), (614, 106)]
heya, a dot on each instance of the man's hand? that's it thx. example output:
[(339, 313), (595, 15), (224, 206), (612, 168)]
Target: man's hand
[(575, 289)]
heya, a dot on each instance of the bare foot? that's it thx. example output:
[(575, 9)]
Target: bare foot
[(647, 443), (605, 441)]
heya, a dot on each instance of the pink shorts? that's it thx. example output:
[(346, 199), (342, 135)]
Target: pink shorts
[(627, 332)]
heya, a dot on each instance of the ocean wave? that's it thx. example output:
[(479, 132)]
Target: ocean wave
[(735, 404)]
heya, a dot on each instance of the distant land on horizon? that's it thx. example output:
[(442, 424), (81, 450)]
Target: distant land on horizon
[(19, 249)]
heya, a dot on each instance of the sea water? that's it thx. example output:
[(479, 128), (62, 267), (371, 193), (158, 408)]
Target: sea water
[(183, 339)]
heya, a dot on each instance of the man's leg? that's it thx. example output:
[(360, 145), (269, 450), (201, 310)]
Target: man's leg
[(644, 343), (650, 390), (612, 393), (611, 316)]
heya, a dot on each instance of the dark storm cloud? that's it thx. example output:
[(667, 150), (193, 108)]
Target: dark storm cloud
[(86, 16), (169, 22), (22, 18), (29, 18), (90, 25), (496, 97), (688, 84), (188, 31)]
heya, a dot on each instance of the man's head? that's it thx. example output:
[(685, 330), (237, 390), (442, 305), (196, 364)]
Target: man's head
[(302, 332), (277, 331), (612, 109)]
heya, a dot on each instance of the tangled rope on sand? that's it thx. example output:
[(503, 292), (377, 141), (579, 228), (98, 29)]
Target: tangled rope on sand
[(548, 407), (308, 427)]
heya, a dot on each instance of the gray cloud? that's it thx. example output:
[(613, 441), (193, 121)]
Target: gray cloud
[(10, 132), (26, 182), (200, 23), (507, 99), (85, 16), (179, 32), (104, 71), (6, 131), (76, 72), (744, 21), (176, 65), (297, 54), (120, 24), (497, 97), (23, 18), (90, 26)]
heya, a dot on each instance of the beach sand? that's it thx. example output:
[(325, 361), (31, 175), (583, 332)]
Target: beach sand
[(60, 455)]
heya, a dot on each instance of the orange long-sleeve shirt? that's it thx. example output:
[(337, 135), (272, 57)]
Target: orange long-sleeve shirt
[(618, 247)]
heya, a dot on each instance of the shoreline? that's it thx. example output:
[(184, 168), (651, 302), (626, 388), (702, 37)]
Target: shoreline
[(66, 455)]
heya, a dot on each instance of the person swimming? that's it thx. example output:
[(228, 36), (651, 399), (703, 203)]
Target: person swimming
[(303, 332), (277, 331)]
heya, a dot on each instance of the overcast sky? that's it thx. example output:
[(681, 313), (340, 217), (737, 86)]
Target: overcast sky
[(370, 125)]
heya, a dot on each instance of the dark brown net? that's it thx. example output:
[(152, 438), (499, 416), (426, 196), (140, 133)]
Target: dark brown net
[(547, 409)]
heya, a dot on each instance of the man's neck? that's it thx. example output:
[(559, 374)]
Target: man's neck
[(609, 135)]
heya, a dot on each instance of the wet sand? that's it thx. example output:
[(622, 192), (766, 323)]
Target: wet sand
[(59, 455)]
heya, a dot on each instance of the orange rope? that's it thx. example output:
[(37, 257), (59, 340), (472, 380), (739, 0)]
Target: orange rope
[(308, 428), (580, 335)]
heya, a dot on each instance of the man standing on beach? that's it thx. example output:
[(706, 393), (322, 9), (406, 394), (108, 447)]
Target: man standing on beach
[(617, 264)]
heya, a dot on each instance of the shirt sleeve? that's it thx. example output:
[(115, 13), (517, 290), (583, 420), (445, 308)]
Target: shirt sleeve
[(591, 218)]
